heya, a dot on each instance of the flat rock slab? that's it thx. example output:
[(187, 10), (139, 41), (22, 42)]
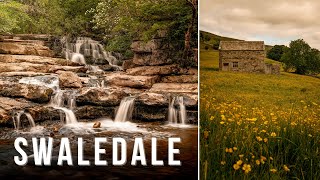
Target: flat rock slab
[(191, 88), (40, 94), (39, 68), (154, 70), (68, 79), (25, 48), (22, 74), (120, 79), (100, 96), (180, 79), (5, 58)]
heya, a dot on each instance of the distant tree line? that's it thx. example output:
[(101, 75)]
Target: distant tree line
[(299, 56), (116, 22)]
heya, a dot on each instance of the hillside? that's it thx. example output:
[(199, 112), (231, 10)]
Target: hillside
[(216, 38)]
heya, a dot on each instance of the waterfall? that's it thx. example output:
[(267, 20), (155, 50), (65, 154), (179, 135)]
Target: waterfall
[(87, 47), (175, 115), (58, 102), (125, 110), (17, 119), (172, 114)]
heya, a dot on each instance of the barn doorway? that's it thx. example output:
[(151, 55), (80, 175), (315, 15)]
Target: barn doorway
[(225, 67)]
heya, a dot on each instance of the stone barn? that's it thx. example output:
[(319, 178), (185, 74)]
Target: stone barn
[(244, 56)]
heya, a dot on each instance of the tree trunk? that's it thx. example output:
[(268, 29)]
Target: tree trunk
[(194, 6)]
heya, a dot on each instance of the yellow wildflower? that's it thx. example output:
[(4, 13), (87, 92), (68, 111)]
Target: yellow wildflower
[(246, 168), (236, 166), (211, 118), (258, 162), (285, 167), (273, 170), (235, 148), (222, 122), (205, 134), (223, 162), (259, 138), (223, 117), (239, 162), (241, 156), (273, 134), (265, 140)]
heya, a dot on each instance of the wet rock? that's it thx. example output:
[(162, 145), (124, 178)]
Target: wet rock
[(100, 96), (75, 69), (154, 70), (22, 74), (180, 79), (68, 79), (25, 48), (55, 129), (93, 112), (152, 99), (51, 134), (121, 79), (150, 113), (31, 92), (97, 125), (175, 88)]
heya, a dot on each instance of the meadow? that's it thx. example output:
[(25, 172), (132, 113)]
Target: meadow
[(258, 126)]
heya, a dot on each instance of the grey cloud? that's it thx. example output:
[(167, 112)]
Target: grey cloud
[(248, 19)]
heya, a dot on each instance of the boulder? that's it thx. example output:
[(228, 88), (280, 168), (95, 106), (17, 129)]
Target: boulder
[(120, 79), (40, 94), (180, 79), (68, 79), (153, 70), (97, 124), (175, 88), (152, 99), (158, 57), (100, 96), (127, 64), (150, 46)]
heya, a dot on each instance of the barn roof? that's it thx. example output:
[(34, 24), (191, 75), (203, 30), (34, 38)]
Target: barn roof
[(242, 46)]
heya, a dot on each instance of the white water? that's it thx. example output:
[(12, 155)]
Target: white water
[(17, 119), (49, 81), (85, 46), (57, 102), (177, 116), (125, 110)]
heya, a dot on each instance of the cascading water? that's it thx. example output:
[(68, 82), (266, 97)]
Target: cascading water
[(17, 119), (58, 102), (125, 110), (176, 116), (86, 47)]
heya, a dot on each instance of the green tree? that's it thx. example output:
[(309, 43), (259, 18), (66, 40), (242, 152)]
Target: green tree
[(123, 21), (12, 15), (301, 57), (276, 52)]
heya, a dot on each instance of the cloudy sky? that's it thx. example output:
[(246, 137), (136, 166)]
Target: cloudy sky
[(274, 21)]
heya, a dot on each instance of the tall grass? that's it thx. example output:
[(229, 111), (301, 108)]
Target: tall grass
[(257, 126)]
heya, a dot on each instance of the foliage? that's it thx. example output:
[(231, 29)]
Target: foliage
[(12, 15), (302, 57), (276, 52), (142, 20), (269, 122)]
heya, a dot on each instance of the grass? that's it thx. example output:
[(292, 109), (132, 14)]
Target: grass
[(257, 126)]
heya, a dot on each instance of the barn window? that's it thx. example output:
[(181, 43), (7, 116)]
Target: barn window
[(225, 64), (235, 64)]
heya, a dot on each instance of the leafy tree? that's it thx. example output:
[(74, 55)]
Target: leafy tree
[(302, 57), (276, 52), (12, 15), (126, 20), (216, 44)]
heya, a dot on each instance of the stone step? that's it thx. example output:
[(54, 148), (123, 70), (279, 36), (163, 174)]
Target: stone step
[(5, 58), (121, 79), (180, 79), (25, 48), (175, 88), (38, 68)]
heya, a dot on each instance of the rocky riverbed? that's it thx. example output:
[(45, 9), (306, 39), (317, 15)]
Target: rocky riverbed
[(55, 82)]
